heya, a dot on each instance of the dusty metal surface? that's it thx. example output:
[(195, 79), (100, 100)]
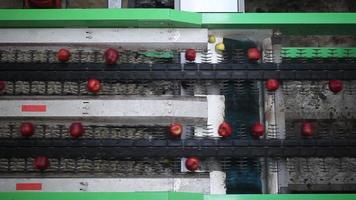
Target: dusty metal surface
[(333, 116), (314, 171), (313, 100)]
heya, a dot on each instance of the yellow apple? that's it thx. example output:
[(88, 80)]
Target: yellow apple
[(212, 39), (220, 46)]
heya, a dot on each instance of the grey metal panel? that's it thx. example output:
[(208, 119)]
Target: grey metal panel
[(276, 169), (313, 100), (209, 5), (177, 4), (114, 3), (199, 184), (241, 5), (138, 110), (217, 181), (128, 38)]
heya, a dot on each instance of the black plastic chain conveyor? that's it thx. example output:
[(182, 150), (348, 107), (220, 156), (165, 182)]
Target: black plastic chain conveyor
[(177, 148), (80, 71)]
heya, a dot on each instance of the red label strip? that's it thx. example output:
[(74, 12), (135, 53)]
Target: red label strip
[(28, 186), (33, 108)]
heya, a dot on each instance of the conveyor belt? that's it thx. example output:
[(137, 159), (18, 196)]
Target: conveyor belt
[(71, 72), (176, 148)]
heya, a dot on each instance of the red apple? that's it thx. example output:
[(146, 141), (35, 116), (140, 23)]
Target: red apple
[(2, 85), (41, 162), (307, 129), (272, 84), (94, 85), (257, 129), (192, 163), (27, 129), (225, 130), (63, 55), (176, 130), (76, 130), (253, 54), (335, 86), (111, 56), (190, 55)]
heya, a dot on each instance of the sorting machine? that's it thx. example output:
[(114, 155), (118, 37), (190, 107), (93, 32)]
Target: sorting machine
[(179, 100)]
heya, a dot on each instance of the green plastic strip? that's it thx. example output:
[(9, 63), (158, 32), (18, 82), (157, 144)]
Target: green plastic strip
[(157, 54), (163, 196), (324, 52), (287, 23)]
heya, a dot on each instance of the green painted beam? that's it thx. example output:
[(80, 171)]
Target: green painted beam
[(163, 196), (287, 23)]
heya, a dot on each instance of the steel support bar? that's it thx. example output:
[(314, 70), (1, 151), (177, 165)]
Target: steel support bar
[(59, 72), (177, 148), (128, 38), (287, 23), (147, 184), (125, 110)]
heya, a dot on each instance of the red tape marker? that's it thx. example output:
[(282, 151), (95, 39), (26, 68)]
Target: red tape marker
[(33, 108), (28, 186)]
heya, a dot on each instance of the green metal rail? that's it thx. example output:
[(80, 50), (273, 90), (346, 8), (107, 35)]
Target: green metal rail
[(287, 23), (163, 196)]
